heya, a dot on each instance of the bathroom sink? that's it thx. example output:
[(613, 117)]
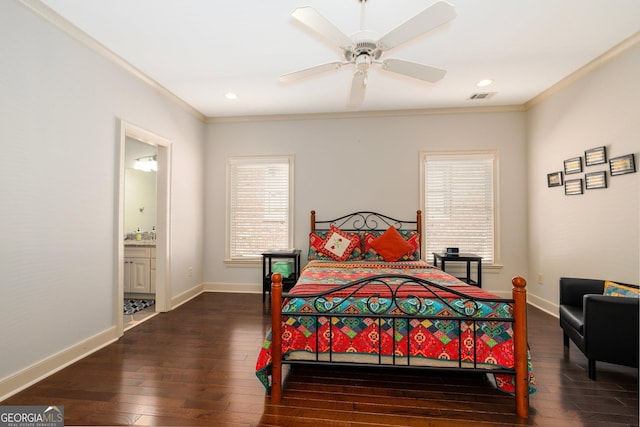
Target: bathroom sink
[(139, 242)]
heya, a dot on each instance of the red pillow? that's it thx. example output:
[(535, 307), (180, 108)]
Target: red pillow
[(338, 245), (391, 246), (412, 237)]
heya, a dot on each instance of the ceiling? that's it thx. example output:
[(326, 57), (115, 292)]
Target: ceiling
[(201, 49)]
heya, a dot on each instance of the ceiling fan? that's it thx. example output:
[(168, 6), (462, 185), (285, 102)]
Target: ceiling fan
[(365, 48)]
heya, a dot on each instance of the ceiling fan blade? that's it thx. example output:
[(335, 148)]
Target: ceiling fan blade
[(306, 72), (321, 25), (358, 86), (435, 15), (412, 69)]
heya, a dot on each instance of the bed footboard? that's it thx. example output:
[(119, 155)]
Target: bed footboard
[(520, 345), (276, 340), (519, 327)]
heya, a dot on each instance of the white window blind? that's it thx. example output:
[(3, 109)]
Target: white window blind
[(459, 203), (259, 208)]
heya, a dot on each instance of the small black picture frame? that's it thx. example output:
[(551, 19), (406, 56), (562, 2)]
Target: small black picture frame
[(573, 165), (622, 165), (594, 180), (595, 156), (573, 187), (554, 179)]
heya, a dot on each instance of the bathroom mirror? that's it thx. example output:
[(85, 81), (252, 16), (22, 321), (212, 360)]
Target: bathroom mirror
[(139, 187)]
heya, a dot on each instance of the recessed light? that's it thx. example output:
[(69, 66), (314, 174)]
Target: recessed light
[(230, 95), (485, 82)]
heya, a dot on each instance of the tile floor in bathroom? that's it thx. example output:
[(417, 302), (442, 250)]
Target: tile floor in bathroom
[(133, 320)]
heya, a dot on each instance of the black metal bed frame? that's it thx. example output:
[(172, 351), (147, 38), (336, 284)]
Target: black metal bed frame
[(327, 309), (373, 221), (363, 221)]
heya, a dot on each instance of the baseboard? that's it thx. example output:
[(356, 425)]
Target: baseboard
[(186, 296), (54, 363), (240, 288), (544, 305)]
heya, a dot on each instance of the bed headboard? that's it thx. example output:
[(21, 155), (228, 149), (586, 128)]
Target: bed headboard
[(367, 221)]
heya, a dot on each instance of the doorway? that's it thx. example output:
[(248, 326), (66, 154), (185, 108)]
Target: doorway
[(139, 232), (161, 147)]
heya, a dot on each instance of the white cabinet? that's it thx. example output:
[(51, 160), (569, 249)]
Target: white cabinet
[(138, 277)]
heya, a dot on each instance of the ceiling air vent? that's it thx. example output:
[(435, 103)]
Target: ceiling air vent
[(482, 95)]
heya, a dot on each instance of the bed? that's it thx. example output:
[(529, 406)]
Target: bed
[(367, 298)]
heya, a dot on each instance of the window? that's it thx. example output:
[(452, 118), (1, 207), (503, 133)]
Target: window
[(259, 206), (459, 202)]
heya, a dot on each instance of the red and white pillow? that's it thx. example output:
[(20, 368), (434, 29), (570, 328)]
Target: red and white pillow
[(338, 245)]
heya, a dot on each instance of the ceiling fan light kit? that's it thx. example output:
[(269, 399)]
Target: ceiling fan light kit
[(365, 48)]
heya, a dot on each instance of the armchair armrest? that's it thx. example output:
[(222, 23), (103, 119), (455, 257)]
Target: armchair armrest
[(572, 290), (608, 323)]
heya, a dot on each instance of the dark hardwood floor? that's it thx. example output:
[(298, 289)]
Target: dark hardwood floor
[(195, 366)]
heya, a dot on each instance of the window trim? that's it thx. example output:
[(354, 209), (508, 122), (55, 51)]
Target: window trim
[(253, 159), (497, 253)]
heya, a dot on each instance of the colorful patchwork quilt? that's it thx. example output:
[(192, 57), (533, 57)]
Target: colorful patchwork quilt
[(445, 328)]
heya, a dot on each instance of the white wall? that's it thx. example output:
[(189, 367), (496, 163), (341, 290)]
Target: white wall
[(596, 234), (348, 164), (59, 142)]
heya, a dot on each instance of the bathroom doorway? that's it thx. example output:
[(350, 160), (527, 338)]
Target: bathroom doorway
[(143, 241), (140, 169)]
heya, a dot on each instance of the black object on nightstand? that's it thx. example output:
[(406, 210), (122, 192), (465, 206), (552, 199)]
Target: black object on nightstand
[(285, 262), (460, 257)]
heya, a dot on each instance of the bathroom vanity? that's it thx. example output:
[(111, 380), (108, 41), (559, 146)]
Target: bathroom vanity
[(139, 266)]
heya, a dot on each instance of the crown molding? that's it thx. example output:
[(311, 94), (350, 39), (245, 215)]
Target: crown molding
[(368, 114), (76, 33), (585, 70)]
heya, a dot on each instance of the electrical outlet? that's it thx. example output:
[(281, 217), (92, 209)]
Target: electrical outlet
[(540, 279)]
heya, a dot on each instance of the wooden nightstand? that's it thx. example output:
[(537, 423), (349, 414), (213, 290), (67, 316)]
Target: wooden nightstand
[(270, 260)]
